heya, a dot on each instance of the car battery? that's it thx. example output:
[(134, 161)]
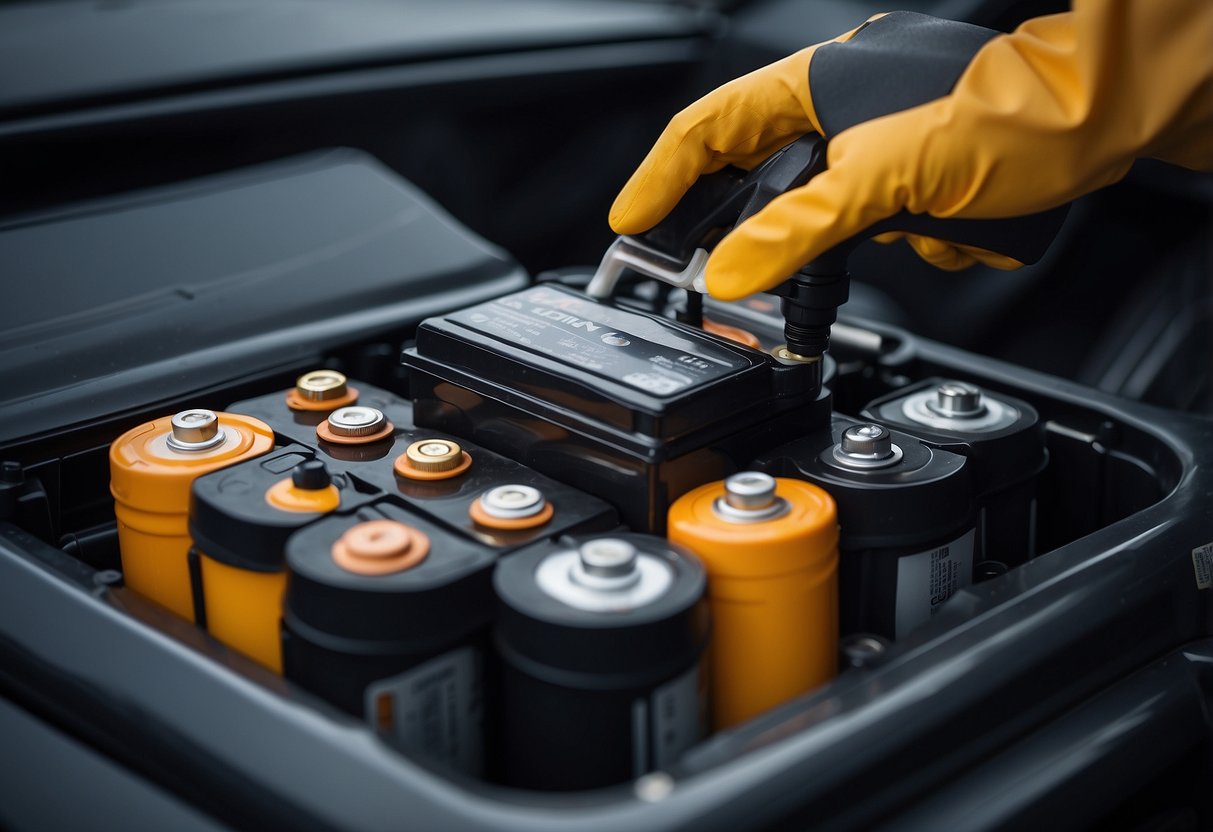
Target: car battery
[(629, 406), (906, 521), (1004, 438), (386, 616)]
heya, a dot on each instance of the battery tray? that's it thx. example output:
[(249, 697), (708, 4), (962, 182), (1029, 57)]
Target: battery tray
[(1042, 544)]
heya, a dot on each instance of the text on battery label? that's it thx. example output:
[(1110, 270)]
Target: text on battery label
[(669, 723), (926, 579), (614, 344), (435, 708), (1202, 563)]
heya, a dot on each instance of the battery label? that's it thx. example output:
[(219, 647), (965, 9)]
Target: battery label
[(436, 708), (927, 579), (1202, 563), (611, 343), (668, 722)]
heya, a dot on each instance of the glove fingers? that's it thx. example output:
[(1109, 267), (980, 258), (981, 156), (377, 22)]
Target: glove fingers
[(940, 254), (740, 123), (954, 257), (796, 228), (950, 256)]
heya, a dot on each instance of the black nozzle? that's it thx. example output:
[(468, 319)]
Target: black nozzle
[(810, 306), (311, 475)]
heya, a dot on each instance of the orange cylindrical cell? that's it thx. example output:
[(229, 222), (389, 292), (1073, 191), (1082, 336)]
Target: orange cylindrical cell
[(243, 608), (771, 553), (243, 605), (151, 468)]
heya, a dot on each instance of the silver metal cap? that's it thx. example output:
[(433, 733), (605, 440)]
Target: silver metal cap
[(749, 490), (867, 441), (356, 421), (957, 400), (607, 557), (866, 446), (195, 430), (605, 575), (749, 497), (509, 502)]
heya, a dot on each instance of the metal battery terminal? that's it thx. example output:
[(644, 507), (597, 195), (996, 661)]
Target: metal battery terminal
[(865, 447), (749, 497), (355, 426), (321, 390), (511, 507), (433, 459), (195, 430)]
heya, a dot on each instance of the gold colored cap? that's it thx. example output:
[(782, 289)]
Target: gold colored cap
[(321, 385), (434, 454)]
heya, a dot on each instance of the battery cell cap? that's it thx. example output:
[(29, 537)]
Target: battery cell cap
[(958, 400), (605, 574), (866, 446), (311, 475), (356, 421), (380, 547), (749, 497), (195, 430), (513, 506), (354, 425), (321, 390), (309, 489), (958, 406), (433, 459), (435, 454), (512, 502), (321, 385)]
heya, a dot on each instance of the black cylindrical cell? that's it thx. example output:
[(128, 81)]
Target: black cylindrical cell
[(600, 642), (386, 617), (1004, 439), (906, 521)]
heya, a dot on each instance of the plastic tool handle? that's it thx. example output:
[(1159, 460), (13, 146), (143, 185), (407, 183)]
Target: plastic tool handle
[(719, 201)]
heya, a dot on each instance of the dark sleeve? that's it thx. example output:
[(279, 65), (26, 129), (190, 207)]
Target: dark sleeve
[(897, 62)]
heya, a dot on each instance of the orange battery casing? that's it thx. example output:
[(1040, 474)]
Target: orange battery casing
[(773, 589), (243, 606), (150, 482)]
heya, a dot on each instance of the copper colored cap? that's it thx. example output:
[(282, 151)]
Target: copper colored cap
[(380, 547)]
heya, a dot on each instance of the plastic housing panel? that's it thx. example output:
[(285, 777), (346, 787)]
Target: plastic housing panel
[(238, 273)]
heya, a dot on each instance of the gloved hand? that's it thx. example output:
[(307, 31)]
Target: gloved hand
[(1057, 109)]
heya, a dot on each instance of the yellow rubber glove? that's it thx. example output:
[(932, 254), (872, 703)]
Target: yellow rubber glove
[(1057, 109)]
